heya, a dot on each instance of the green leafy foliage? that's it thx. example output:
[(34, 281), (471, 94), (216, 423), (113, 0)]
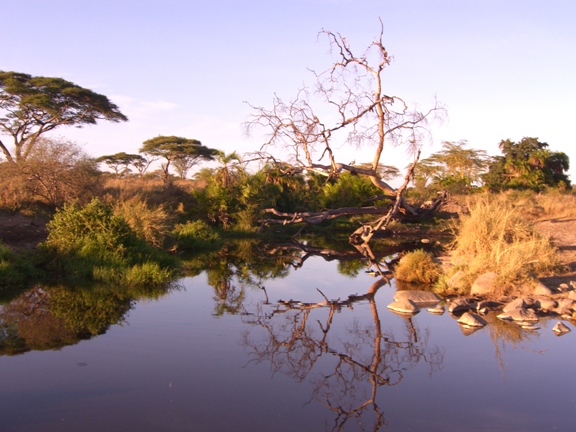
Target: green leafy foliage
[(93, 242), (455, 168), (527, 164), (197, 235), (183, 152), (31, 106)]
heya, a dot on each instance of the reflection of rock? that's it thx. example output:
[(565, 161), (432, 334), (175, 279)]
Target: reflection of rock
[(560, 328), (471, 320), (437, 310), (467, 331), (529, 326), (419, 298), (404, 306)]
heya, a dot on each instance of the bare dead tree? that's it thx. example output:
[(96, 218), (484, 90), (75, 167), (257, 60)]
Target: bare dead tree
[(357, 112)]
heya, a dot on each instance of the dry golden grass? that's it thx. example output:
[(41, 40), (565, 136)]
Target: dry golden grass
[(497, 235), (417, 266), (153, 223)]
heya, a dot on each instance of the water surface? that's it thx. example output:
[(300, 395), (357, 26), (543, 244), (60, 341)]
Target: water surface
[(226, 355)]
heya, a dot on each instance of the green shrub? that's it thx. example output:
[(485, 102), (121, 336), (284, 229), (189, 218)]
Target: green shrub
[(15, 269), (197, 235), (417, 266), (93, 242)]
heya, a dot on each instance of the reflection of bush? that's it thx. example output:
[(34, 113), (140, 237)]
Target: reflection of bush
[(50, 318)]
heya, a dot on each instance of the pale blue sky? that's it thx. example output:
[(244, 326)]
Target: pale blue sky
[(504, 68)]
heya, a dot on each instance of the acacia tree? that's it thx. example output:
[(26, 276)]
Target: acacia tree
[(455, 167), (31, 106), (362, 115), (172, 148), (120, 162)]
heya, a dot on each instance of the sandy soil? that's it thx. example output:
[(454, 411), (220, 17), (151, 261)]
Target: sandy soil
[(22, 232), (562, 232)]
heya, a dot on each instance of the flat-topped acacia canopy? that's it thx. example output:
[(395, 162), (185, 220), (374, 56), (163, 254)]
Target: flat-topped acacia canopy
[(31, 106)]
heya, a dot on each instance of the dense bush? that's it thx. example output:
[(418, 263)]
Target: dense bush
[(417, 266), (197, 235), (93, 242)]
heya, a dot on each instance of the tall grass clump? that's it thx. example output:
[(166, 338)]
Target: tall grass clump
[(92, 242), (150, 223), (418, 267), (496, 236)]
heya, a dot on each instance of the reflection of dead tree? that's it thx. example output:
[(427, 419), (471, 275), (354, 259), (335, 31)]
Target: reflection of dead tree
[(367, 360), (296, 253)]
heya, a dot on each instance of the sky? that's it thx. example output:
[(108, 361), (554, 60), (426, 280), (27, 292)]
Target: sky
[(504, 69)]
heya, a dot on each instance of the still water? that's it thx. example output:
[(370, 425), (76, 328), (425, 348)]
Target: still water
[(229, 356)]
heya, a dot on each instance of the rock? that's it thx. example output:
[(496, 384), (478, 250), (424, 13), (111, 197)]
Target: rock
[(560, 328), (542, 290), (437, 310), (420, 298), (545, 304), (519, 303), (471, 320), (404, 306), (572, 295), (459, 305), (563, 287), (530, 326), (565, 306), (519, 315), (484, 284), (487, 305)]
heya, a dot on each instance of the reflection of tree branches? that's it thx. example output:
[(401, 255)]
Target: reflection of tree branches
[(228, 297), (365, 361)]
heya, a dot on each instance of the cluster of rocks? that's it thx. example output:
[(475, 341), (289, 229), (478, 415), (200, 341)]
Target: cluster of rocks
[(470, 312)]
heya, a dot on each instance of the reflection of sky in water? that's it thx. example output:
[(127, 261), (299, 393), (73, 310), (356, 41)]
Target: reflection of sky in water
[(174, 366)]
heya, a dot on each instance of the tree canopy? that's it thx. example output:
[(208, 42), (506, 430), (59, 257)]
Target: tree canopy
[(31, 106), (120, 163), (527, 164), (455, 167), (187, 152)]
